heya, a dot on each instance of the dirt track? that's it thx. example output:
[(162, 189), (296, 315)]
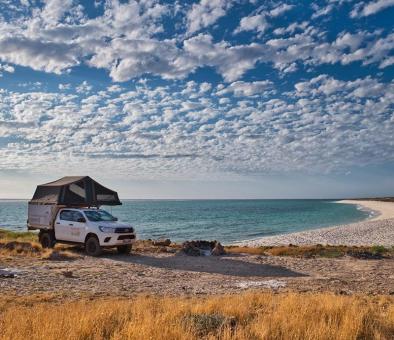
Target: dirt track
[(177, 274)]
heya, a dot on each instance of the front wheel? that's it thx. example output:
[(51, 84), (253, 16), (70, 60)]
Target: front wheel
[(47, 239), (124, 249), (92, 246)]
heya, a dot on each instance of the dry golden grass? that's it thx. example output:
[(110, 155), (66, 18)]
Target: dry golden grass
[(25, 244), (249, 315), (33, 249), (315, 251), (6, 235)]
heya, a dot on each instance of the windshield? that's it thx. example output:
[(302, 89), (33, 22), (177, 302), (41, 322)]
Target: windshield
[(99, 215)]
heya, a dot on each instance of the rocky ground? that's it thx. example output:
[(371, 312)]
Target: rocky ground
[(178, 274)]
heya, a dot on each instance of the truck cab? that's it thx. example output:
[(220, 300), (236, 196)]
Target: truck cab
[(94, 228)]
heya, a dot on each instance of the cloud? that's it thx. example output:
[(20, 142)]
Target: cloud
[(279, 10), (321, 11), (6, 68), (54, 10), (363, 9), (258, 22), (83, 87), (38, 55), (128, 41), (241, 88), (63, 87), (205, 13), (253, 23), (230, 61), (322, 124)]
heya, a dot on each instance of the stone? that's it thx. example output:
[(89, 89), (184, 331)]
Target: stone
[(6, 274), (162, 242), (68, 273), (189, 248), (218, 250), (202, 248)]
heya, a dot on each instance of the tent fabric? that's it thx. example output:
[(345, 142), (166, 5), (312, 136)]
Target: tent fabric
[(75, 191)]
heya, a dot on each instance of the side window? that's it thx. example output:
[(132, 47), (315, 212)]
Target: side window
[(66, 215), (76, 215)]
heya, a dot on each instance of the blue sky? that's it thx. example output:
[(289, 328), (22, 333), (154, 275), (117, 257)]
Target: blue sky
[(199, 99)]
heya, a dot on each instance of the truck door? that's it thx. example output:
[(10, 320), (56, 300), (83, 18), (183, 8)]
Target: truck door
[(77, 229), (63, 225)]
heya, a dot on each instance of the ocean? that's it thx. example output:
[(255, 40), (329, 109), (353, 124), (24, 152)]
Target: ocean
[(224, 220)]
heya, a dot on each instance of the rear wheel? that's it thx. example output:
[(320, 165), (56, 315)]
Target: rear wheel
[(124, 249), (92, 246), (47, 239)]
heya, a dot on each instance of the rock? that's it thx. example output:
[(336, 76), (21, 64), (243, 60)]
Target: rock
[(7, 274), (171, 250), (202, 248), (163, 242), (218, 250), (189, 248), (68, 273), (365, 255)]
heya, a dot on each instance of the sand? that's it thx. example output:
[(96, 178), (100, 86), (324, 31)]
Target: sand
[(382, 210), (178, 274), (378, 230)]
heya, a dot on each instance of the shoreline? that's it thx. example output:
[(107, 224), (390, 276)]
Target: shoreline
[(381, 210), (376, 230)]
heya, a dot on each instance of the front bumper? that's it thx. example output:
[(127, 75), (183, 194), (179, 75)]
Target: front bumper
[(115, 239)]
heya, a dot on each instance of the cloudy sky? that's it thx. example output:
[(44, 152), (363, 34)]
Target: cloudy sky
[(212, 98)]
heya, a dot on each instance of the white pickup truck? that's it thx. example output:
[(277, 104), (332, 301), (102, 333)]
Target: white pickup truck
[(94, 228)]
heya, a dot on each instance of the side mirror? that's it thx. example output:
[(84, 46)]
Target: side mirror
[(115, 219), (81, 220)]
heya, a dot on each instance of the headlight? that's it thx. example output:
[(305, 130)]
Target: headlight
[(107, 229)]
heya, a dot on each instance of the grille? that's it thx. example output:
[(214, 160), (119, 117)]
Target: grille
[(126, 237), (124, 230)]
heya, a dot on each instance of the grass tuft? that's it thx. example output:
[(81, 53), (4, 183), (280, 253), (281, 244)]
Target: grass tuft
[(7, 235)]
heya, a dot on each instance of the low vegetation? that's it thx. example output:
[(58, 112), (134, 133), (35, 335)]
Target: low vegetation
[(374, 252), (7, 235), (251, 315), (25, 244)]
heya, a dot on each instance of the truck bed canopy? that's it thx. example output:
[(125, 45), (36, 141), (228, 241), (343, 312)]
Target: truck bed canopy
[(75, 191)]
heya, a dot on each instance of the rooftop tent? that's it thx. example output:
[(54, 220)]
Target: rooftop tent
[(75, 191)]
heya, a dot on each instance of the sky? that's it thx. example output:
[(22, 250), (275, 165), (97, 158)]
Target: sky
[(199, 99)]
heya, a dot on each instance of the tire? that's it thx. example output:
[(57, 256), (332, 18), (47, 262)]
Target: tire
[(92, 246), (47, 239), (124, 249)]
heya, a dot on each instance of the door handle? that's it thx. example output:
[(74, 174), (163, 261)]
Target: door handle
[(71, 224)]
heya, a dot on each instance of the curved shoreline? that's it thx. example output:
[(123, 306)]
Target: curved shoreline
[(383, 210), (378, 230)]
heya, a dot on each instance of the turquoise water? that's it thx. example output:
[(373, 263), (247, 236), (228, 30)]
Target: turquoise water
[(223, 220)]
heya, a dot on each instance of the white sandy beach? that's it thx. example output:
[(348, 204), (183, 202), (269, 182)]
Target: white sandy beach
[(383, 210), (378, 230)]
